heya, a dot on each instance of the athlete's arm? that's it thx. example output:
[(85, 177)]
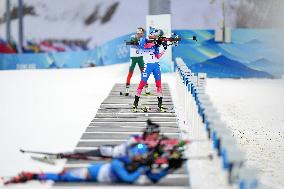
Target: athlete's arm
[(145, 45), (123, 174), (155, 177), (121, 149), (159, 54)]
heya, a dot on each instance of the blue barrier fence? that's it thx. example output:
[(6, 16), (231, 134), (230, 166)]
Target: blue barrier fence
[(204, 124), (252, 53), (113, 52)]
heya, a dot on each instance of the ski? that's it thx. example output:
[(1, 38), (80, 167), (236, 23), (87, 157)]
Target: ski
[(131, 96), (152, 110), (155, 110), (50, 158), (124, 94), (145, 109), (148, 94), (45, 159)]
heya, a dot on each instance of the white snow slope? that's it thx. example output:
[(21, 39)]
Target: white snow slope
[(254, 110), (49, 109)]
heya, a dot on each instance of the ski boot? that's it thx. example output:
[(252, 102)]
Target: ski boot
[(146, 109), (160, 102), (135, 104), (22, 178), (127, 90), (147, 90)]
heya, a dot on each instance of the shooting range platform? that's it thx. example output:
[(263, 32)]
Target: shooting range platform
[(114, 122)]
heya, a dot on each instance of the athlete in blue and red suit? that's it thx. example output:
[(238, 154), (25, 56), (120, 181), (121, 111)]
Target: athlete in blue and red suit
[(151, 56), (125, 169)]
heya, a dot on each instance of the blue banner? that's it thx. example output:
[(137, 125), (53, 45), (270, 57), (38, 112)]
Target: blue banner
[(252, 53), (113, 52)]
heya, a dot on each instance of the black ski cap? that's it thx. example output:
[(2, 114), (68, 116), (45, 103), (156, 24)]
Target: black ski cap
[(151, 127)]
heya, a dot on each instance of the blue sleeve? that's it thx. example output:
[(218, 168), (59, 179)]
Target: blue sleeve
[(155, 177), (156, 50), (120, 171), (142, 42)]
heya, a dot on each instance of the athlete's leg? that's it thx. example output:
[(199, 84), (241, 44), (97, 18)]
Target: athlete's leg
[(144, 78), (133, 61), (141, 67), (75, 175), (158, 80), (157, 76)]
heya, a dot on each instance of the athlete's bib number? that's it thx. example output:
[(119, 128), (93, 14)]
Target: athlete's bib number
[(150, 57)]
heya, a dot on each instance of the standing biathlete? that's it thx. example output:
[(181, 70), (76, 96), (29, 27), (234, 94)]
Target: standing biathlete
[(135, 58), (151, 56)]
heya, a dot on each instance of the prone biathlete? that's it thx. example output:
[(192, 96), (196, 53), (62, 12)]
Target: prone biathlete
[(150, 136), (126, 169), (151, 56), (135, 58)]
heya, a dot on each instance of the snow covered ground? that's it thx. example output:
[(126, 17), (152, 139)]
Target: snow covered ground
[(49, 110), (254, 110)]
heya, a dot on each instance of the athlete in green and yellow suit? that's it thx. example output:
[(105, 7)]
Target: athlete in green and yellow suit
[(135, 58)]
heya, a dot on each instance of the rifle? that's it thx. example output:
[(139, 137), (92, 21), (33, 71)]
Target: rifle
[(171, 152), (156, 40), (164, 41), (68, 155)]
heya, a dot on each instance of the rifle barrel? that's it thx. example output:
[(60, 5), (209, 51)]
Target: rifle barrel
[(36, 152)]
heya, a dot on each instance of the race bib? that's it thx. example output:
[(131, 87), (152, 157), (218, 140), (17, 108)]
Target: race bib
[(135, 51), (149, 56)]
